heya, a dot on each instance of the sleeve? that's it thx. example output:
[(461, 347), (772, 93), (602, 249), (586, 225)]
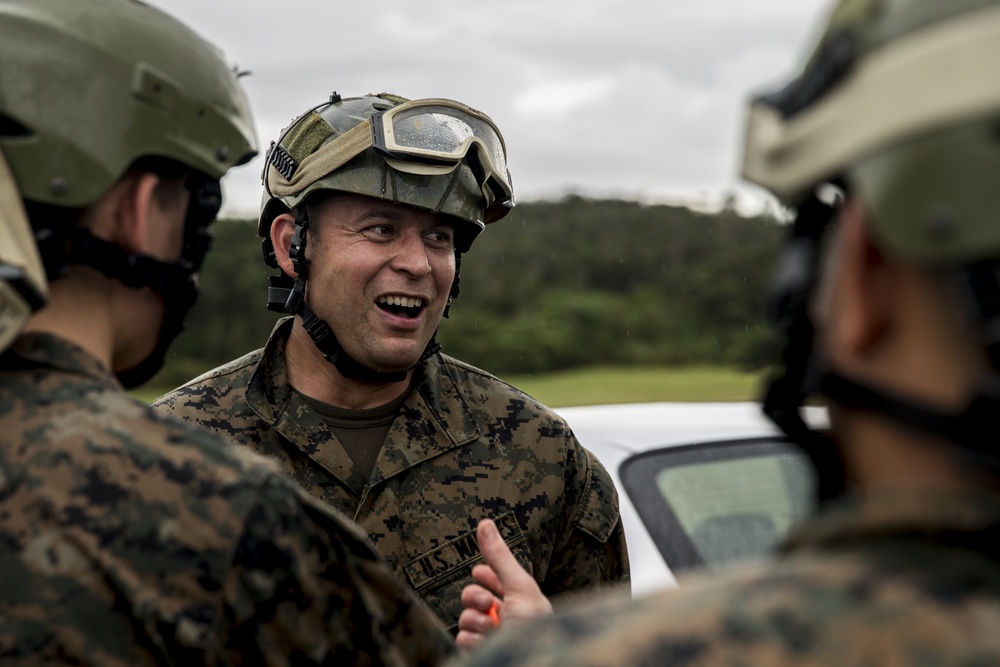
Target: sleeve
[(591, 552), (306, 588)]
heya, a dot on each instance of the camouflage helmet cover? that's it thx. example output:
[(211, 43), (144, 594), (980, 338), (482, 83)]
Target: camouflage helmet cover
[(453, 191), (900, 100), (89, 87)]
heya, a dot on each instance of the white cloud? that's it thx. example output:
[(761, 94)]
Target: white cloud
[(558, 97), (634, 98)]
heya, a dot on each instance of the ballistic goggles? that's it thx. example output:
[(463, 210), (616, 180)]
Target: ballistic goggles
[(427, 137)]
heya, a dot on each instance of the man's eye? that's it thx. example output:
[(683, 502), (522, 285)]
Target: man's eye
[(379, 230), (440, 236)]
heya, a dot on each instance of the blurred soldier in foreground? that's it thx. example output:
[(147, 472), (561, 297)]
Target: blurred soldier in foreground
[(370, 204), (899, 106), (127, 538)]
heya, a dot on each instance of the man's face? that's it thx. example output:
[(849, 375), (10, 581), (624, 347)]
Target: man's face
[(379, 275)]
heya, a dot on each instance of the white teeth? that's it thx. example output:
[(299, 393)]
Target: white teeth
[(404, 301)]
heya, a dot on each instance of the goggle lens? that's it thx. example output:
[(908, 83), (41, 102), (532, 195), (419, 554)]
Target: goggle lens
[(440, 131)]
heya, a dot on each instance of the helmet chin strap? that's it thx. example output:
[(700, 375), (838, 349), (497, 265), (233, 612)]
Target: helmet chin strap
[(804, 373), (174, 282), (973, 430), (292, 300), (791, 289)]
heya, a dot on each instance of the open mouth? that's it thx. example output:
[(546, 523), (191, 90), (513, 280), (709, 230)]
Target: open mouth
[(402, 306)]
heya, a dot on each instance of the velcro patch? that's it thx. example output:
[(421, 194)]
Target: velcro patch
[(283, 162), (461, 551)]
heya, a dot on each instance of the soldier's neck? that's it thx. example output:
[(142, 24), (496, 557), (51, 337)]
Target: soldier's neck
[(80, 313), (311, 374), (882, 455)]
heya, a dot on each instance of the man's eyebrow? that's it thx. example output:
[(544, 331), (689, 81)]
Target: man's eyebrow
[(381, 213)]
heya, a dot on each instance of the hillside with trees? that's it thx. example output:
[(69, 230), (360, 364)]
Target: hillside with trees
[(555, 285)]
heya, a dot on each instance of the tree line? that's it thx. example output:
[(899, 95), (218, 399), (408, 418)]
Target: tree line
[(555, 285)]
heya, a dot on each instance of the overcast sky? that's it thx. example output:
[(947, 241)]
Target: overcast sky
[(638, 99)]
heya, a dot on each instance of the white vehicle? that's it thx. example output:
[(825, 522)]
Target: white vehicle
[(699, 484)]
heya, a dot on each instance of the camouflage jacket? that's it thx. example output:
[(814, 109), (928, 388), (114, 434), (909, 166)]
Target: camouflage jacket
[(128, 538), (465, 446), (901, 579)]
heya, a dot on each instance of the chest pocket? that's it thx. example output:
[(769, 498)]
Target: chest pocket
[(439, 575)]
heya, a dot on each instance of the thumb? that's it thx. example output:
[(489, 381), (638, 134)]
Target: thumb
[(513, 578), (522, 598)]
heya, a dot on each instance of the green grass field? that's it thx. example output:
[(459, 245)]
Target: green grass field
[(619, 385), (592, 386), (636, 385)]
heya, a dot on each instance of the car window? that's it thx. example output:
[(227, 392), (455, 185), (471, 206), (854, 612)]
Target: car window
[(713, 504)]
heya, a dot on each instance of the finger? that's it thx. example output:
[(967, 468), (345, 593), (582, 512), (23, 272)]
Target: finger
[(472, 620), (499, 557), (488, 579), (478, 598), (473, 627), (469, 640)]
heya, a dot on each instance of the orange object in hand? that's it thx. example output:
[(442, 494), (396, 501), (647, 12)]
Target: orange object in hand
[(494, 614)]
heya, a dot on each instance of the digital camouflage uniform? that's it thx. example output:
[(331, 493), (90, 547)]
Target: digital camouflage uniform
[(465, 446), (128, 538), (896, 580)]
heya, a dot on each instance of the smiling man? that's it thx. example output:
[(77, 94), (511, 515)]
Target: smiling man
[(370, 204), (126, 537)]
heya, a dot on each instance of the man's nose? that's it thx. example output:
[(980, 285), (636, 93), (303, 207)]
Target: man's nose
[(412, 255)]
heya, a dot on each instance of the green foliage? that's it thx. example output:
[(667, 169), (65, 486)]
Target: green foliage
[(556, 285), (582, 283)]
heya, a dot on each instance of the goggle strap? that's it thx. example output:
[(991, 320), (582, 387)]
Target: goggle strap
[(325, 160)]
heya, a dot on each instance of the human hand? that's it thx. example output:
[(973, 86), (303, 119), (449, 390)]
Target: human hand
[(502, 587)]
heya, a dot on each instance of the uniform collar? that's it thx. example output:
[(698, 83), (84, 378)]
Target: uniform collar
[(48, 351), (434, 418)]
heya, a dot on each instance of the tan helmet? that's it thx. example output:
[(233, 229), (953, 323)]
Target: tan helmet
[(23, 288), (900, 100), (434, 154)]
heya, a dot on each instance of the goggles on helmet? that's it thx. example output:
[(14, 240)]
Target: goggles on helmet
[(429, 137), (440, 132)]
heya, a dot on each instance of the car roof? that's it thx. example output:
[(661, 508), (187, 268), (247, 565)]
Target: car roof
[(639, 427)]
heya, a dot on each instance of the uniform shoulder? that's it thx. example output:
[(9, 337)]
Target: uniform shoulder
[(99, 427), (227, 372), (214, 449), (235, 373), (475, 380)]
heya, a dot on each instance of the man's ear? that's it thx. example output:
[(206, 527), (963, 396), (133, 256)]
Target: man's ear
[(282, 231), (866, 285), (132, 211)]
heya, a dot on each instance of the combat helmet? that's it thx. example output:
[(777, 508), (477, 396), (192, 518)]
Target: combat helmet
[(433, 154), (89, 90), (899, 105), (23, 288)]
